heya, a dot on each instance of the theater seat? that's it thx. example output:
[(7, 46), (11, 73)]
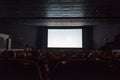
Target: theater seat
[(19, 70), (82, 70)]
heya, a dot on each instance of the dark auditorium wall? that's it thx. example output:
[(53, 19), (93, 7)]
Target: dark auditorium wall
[(94, 37), (42, 37), (87, 36), (104, 33), (21, 35), (36, 37)]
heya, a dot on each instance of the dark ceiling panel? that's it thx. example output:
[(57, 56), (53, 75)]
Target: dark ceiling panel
[(31, 12), (59, 8)]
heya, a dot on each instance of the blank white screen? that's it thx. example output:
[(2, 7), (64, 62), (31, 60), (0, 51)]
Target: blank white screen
[(64, 38)]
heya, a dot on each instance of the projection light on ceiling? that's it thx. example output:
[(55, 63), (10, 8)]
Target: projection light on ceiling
[(64, 38)]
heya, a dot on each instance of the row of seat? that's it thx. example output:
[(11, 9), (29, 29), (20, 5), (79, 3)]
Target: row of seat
[(19, 69), (54, 67)]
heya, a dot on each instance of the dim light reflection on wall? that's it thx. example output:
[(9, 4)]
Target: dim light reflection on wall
[(64, 22)]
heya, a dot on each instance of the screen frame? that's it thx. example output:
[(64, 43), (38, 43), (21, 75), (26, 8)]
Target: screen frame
[(65, 28)]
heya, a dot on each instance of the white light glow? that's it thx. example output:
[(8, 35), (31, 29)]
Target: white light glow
[(64, 38)]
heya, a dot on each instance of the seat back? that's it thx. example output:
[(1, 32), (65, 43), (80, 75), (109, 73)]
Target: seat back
[(19, 70)]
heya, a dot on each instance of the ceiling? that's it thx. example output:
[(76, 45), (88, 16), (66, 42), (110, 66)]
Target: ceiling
[(43, 12)]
